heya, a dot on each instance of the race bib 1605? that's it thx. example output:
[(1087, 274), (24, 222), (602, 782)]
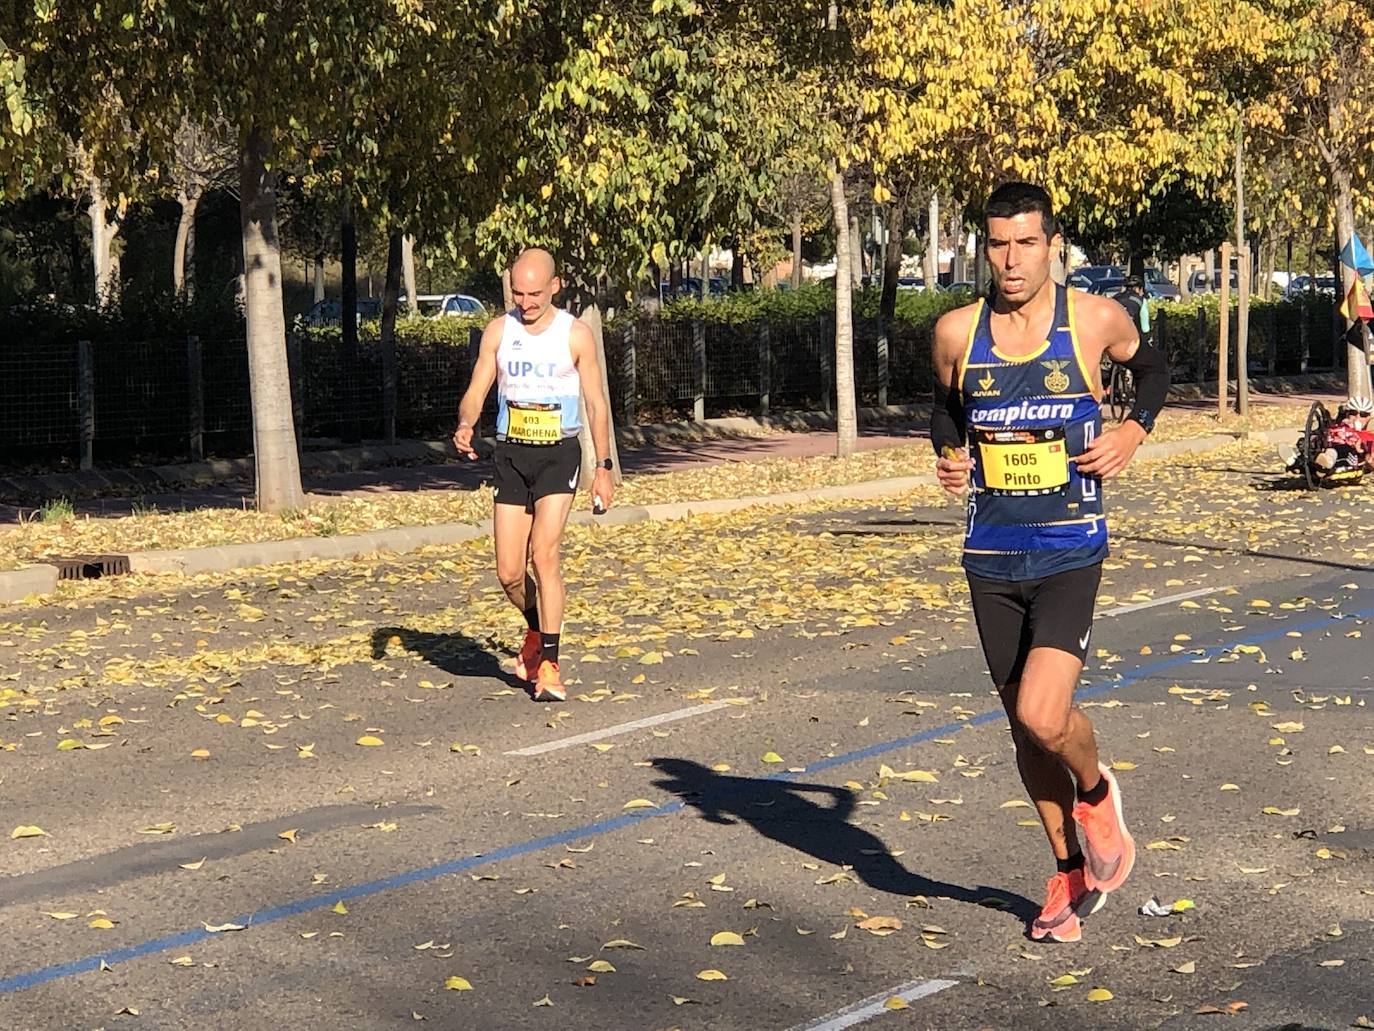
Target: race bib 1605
[(1023, 461)]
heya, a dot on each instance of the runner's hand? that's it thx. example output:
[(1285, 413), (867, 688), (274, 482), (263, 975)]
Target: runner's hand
[(604, 488), (1108, 454), (462, 440), (952, 471)]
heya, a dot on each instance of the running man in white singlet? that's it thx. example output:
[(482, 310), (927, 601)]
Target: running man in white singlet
[(544, 364)]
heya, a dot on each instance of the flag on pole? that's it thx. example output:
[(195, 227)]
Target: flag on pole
[(1357, 304), (1355, 256)]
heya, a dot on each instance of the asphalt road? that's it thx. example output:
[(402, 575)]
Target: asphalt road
[(719, 768)]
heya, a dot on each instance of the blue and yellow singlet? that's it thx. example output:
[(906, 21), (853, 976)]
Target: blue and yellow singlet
[(1030, 513)]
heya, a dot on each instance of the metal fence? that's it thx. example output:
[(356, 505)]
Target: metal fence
[(117, 402)]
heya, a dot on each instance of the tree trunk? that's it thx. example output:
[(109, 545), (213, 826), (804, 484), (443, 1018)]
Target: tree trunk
[(706, 272), (1209, 261), (674, 278), (348, 319), (589, 311), (1356, 362), (319, 264), (737, 267), (892, 260), (103, 232), (183, 255), (846, 416), (958, 266), (408, 273), (507, 298), (932, 258), (856, 253), (274, 431), (980, 279), (796, 250), (386, 343)]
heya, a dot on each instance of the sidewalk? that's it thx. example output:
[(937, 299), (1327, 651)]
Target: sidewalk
[(731, 440)]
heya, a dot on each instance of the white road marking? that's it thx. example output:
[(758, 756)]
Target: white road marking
[(621, 728), (874, 1005), (1122, 610)]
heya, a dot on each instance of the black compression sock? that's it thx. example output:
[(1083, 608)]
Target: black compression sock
[(532, 617), (550, 647), (1096, 794), (1074, 862)]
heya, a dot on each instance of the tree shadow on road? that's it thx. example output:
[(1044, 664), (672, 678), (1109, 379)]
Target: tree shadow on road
[(780, 810), (455, 654)]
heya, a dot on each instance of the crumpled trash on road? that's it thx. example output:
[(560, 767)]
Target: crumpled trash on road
[(1156, 908)]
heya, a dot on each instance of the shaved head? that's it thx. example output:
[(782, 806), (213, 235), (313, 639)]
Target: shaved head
[(533, 284), (534, 266)]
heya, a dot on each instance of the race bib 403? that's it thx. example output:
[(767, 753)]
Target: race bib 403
[(1023, 461), (533, 423)]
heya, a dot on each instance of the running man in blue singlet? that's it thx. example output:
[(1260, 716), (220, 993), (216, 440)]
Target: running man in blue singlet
[(1018, 426), (544, 364)]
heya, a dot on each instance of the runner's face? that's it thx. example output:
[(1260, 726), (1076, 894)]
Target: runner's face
[(532, 294), (1019, 255)]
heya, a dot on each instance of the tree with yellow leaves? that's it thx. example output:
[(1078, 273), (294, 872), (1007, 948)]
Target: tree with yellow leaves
[(1321, 111)]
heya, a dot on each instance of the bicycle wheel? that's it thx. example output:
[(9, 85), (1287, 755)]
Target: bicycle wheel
[(1123, 392)]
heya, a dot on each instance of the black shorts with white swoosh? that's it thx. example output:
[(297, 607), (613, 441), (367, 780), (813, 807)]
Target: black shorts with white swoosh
[(524, 473), (1015, 616)]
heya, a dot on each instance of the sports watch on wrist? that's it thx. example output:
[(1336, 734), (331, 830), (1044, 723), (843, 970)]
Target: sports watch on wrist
[(605, 463)]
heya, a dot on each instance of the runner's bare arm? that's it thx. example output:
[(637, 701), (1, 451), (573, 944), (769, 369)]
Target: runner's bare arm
[(1105, 327), (483, 376), (947, 431), (583, 346)]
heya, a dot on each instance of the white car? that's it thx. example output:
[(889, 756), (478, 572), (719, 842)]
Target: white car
[(441, 305)]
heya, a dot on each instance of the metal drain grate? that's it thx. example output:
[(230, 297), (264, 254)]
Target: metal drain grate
[(90, 567)]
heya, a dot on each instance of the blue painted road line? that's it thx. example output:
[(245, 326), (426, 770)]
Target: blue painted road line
[(43, 975)]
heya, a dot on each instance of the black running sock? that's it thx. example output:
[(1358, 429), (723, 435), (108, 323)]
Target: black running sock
[(1095, 794), (550, 647), (532, 618), (1074, 862)]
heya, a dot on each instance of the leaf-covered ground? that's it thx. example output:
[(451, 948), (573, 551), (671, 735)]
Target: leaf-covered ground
[(183, 753), (34, 541)]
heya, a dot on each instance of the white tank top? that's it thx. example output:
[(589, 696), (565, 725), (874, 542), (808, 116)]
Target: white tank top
[(538, 388)]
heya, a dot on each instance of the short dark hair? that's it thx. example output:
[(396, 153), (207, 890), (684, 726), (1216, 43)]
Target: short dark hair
[(1017, 198)]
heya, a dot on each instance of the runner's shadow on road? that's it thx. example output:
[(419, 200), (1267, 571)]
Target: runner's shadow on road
[(455, 654), (782, 811)]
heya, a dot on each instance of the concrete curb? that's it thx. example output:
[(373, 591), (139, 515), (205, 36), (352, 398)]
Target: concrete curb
[(42, 579), (18, 584)]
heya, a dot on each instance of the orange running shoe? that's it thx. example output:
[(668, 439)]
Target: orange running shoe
[(1067, 898), (527, 662), (1107, 845), (549, 685)]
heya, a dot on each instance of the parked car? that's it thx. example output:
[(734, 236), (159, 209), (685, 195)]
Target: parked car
[(1154, 291), (963, 284), (1093, 273), (915, 283), (1198, 283), (1157, 285), (441, 305), (691, 287), (1303, 284), (330, 313)]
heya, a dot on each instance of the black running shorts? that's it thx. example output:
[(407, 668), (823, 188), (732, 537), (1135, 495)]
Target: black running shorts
[(527, 472), (1015, 616)]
